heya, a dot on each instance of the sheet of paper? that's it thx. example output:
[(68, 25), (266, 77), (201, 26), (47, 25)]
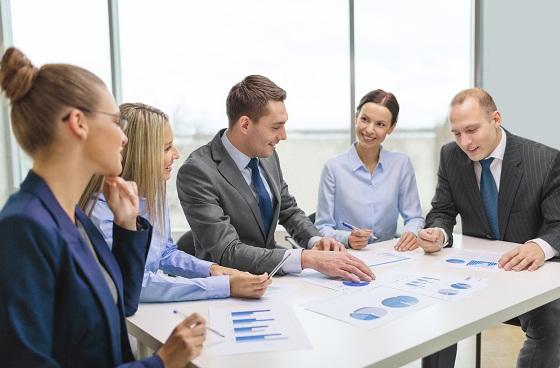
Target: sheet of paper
[(436, 285), (247, 329), (372, 307), (380, 256), (460, 258), (317, 278)]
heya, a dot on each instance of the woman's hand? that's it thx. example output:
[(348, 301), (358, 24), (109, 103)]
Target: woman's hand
[(122, 197), (185, 342), (246, 285), (408, 241), (359, 238)]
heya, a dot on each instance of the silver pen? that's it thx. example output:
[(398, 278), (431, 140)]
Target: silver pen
[(207, 327)]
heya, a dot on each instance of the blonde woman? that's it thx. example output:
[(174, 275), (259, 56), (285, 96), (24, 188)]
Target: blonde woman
[(148, 159), (64, 294)]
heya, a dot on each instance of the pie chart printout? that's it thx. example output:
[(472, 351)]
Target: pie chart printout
[(368, 313), (401, 301), (357, 284)]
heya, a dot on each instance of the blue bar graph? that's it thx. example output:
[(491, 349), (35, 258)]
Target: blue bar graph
[(248, 312), (249, 338), (250, 328), (255, 326)]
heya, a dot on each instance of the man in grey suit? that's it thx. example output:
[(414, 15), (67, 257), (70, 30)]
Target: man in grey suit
[(233, 193), (504, 187)]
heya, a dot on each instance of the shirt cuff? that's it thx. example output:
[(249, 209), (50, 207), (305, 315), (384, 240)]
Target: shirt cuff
[(549, 252), (293, 264), (313, 240), (445, 240), (219, 285)]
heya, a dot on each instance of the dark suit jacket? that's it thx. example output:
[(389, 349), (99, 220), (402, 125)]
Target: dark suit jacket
[(529, 193), (55, 306), (223, 212)]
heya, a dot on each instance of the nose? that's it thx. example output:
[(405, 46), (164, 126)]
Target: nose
[(283, 136), (465, 140), (124, 138)]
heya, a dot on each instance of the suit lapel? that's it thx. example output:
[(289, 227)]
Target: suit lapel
[(230, 172), (468, 177), (82, 255), (509, 181), (268, 165)]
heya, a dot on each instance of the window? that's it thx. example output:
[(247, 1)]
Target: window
[(183, 57)]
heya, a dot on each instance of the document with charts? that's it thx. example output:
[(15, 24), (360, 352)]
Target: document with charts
[(249, 329), (372, 307), (461, 258), (436, 285)]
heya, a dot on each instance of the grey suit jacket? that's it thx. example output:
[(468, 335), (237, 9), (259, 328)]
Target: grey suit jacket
[(528, 200), (224, 215)]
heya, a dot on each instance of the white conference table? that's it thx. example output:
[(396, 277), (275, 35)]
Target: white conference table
[(336, 344)]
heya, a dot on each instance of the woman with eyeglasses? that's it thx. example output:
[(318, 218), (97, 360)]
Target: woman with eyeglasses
[(363, 190), (170, 274), (65, 294)]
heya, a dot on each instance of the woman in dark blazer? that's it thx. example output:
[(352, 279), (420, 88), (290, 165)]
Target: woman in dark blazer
[(64, 294)]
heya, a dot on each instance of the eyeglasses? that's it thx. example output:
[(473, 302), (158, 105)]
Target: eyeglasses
[(121, 121)]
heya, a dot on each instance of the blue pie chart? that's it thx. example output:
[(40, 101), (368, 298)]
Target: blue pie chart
[(368, 313), (448, 292), (460, 285), (401, 301), (352, 283), (455, 260)]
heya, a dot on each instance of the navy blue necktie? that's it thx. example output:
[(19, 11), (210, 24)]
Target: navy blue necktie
[(489, 195), (265, 204)]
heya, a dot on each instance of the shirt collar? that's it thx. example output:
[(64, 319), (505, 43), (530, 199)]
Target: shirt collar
[(356, 163), (500, 149), (241, 160)]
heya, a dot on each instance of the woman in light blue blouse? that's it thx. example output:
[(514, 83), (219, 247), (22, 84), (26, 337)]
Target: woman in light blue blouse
[(363, 190), (148, 158)]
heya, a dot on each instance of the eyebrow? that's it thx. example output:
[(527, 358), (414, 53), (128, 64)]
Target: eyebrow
[(467, 127)]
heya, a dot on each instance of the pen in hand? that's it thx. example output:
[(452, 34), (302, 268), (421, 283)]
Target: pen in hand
[(278, 266), (207, 327), (352, 227)]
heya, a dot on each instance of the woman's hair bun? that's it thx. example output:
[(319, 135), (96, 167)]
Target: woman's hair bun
[(16, 74)]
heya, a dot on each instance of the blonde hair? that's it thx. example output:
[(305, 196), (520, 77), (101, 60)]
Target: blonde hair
[(38, 96), (142, 161)]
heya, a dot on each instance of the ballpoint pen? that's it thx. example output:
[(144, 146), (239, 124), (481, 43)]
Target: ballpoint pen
[(352, 227), (292, 242), (278, 266), (207, 327)]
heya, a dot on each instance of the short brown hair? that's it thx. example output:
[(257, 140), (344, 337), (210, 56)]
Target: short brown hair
[(38, 96), (250, 97), (380, 97), (483, 98)]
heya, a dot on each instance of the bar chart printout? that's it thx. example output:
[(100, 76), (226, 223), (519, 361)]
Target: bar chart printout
[(254, 328)]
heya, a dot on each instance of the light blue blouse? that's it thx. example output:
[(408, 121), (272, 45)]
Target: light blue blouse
[(193, 281), (349, 192)]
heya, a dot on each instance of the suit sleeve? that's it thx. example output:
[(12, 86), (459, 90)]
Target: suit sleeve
[(443, 213), (294, 220), (212, 227), (550, 206), (28, 293)]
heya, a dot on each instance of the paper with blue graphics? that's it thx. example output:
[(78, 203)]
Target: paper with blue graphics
[(256, 328), (371, 308), (317, 278), (436, 285), (379, 256), (469, 259)]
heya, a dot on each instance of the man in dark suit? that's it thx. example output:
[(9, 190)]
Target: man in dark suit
[(507, 188), (233, 193)]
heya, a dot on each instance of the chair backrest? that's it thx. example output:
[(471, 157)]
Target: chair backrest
[(186, 243)]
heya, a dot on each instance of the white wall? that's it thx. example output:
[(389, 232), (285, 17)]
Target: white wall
[(520, 65)]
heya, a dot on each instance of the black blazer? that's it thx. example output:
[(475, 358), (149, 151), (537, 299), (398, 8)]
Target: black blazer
[(55, 306), (529, 193)]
